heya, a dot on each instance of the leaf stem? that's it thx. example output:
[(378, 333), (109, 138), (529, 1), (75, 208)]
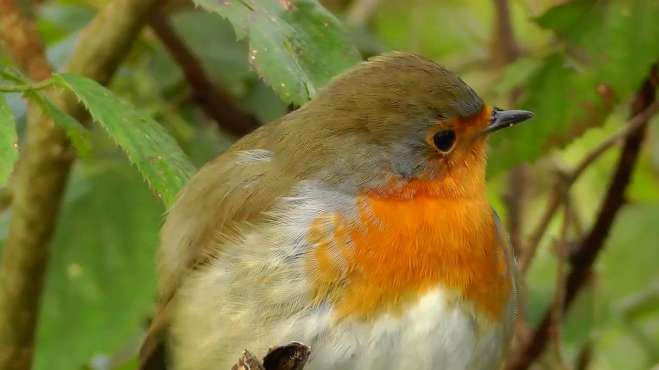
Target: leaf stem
[(21, 88), (10, 74)]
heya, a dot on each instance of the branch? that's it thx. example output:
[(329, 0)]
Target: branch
[(559, 293), (46, 157), (20, 88), (24, 257), (292, 356), (217, 104), (582, 260), (360, 11), (503, 48), (5, 198), (566, 179), (584, 357), (528, 253), (504, 51), (514, 200)]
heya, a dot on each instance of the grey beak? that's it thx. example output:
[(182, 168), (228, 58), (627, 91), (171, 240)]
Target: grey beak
[(506, 118)]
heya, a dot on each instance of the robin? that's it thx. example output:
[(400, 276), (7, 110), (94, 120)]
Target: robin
[(358, 225)]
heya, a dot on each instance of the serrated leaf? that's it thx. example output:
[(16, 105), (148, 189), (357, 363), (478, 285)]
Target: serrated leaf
[(75, 131), (235, 12), (8, 142), (295, 46), (147, 144), (609, 48), (100, 281)]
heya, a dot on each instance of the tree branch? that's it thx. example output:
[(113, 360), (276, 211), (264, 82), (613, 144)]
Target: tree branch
[(566, 179), (25, 87), (46, 157), (514, 199), (217, 104), (559, 293), (584, 357), (582, 260), (360, 11), (24, 257), (504, 48), (292, 356)]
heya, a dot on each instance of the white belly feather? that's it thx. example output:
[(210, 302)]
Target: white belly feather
[(432, 334), (257, 298)]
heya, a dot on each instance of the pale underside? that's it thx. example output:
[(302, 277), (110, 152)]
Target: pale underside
[(234, 251), (254, 294)]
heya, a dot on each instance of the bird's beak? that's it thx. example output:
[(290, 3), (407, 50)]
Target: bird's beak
[(506, 118)]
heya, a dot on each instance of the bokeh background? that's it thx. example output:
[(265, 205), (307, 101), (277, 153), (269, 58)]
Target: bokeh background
[(577, 64)]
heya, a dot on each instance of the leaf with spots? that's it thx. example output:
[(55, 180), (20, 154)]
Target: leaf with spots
[(8, 142), (607, 50), (295, 46), (156, 154)]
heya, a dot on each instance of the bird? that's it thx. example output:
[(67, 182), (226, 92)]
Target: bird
[(357, 224)]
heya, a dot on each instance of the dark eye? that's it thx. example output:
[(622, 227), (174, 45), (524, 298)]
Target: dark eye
[(444, 140)]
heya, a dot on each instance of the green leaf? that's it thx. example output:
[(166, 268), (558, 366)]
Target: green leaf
[(295, 46), (156, 154), (609, 47), (75, 131), (100, 284), (8, 142)]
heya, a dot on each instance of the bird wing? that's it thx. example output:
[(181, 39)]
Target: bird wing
[(504, 241), (235, 188)]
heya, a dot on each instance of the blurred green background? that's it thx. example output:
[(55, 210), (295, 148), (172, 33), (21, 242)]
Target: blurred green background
[(576, 64)]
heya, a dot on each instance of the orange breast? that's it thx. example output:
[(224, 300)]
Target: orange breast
[(400, 248)]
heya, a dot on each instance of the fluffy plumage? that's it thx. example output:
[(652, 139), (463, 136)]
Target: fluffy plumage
[(340, 226)]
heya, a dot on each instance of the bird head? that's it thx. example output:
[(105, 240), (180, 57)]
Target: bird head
[(400, 124)]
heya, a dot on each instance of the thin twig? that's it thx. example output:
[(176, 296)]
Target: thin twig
[(216, 103), (528, 252), (585, 356), (591, 245), (559, 293), (515, 199), (504, 48), (634, 305), (575, 219), (567, 179), (25, 87), (360, 12), (632, 126)]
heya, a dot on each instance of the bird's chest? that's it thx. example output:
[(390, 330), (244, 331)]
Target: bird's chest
[(398, 251), (422, 284)]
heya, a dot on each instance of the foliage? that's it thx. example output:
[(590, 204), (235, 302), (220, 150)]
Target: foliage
[(605, 51), (76, 132), (100, 285), (147, 144), (295, 46), (579, 65)]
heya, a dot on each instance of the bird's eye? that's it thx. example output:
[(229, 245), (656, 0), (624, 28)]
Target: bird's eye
[(444, 140)]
